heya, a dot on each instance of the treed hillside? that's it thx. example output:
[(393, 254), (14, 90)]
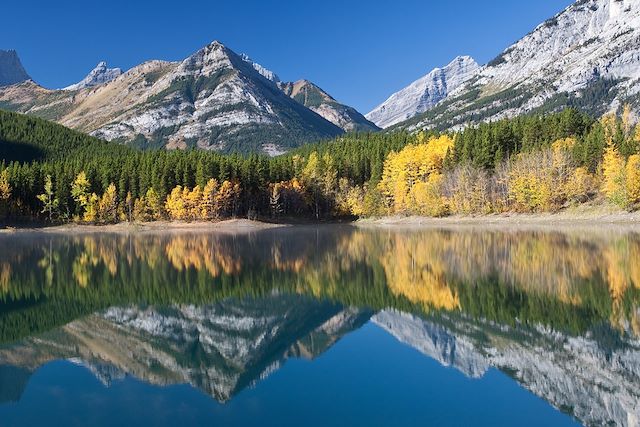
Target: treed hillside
[(528, 164)]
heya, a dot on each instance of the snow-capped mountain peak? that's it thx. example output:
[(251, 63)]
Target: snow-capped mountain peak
[(99, 75), (424, 93)]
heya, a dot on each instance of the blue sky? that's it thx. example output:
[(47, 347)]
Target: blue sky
[(359, 51)]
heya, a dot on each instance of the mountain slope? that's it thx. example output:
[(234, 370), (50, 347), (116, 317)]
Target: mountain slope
[(99, 75), (424, 93), (316, 99), (11, 69), (313, 97), (587, 56), (212, 100)]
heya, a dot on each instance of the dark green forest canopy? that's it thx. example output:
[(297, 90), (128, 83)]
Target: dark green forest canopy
[(32, 148)]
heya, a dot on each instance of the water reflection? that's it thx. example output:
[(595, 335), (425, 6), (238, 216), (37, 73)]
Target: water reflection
[(557, 311)]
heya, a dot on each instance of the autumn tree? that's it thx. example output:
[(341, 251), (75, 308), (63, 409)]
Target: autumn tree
[(50, 203), (175, 205), (108, 205), (5, 192), (421, 163), (632, 180), (613, 176), (80, 192)]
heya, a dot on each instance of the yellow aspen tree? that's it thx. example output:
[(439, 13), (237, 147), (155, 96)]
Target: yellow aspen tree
[(153, 204), (5, 192), (193, 203), (49, 201), (108, 206), (613, 174), (80, 191), (92, 208), (207, 204), (174, 204), (224, 199), (413, 164), (632, 179)]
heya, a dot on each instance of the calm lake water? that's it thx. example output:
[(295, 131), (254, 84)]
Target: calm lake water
[(318, 326)]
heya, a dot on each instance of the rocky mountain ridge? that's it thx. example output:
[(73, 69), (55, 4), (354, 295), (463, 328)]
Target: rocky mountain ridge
[(424, 93), (101, 74), (587, 57), (11, 69)]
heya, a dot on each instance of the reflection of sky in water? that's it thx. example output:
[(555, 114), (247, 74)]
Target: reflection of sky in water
[(367, 379)]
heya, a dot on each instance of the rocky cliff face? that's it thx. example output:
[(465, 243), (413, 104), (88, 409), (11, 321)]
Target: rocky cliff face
[(101, 74), (588, 56), (595, 383), (11, 69), (424, 93)]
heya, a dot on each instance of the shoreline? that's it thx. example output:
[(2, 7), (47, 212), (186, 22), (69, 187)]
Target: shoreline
[(572, 218), (231, 225)]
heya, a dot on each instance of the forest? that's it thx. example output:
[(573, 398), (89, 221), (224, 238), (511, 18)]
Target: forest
[(534, 163)]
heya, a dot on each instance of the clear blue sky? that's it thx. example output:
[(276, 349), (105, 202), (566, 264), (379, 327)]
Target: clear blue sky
[(357, 50)]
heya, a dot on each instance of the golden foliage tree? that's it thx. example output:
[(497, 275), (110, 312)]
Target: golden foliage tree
[(80, 192), (5, 192), (108, 205), (412, 165), (632, 180), (613, 176)]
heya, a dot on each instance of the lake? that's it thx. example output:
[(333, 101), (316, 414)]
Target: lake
[(316, 326)]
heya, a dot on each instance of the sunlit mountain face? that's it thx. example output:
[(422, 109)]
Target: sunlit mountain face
[(552, 317)]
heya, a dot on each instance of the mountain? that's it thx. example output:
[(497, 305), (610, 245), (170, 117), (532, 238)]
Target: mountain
[(11, 69), (316, 99), (594, 382), (212, 100), (587, 57), (313, 97), (424, 93), (99, 75), (220, 349)]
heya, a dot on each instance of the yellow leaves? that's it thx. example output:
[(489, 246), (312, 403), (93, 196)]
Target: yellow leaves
[(425, 197), (148, 207), (174, 204), (212, 202), (412, 165), (531, 183), (468, 190), (632, 179), (80, 190), (579, 185), (415, 269), (108, 205), (5, 186), (287, 197), (613, 172)]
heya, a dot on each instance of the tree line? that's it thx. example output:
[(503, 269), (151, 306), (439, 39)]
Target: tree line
[(538, 163)]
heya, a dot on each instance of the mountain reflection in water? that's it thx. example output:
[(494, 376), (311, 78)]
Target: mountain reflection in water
[(556, 311)]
